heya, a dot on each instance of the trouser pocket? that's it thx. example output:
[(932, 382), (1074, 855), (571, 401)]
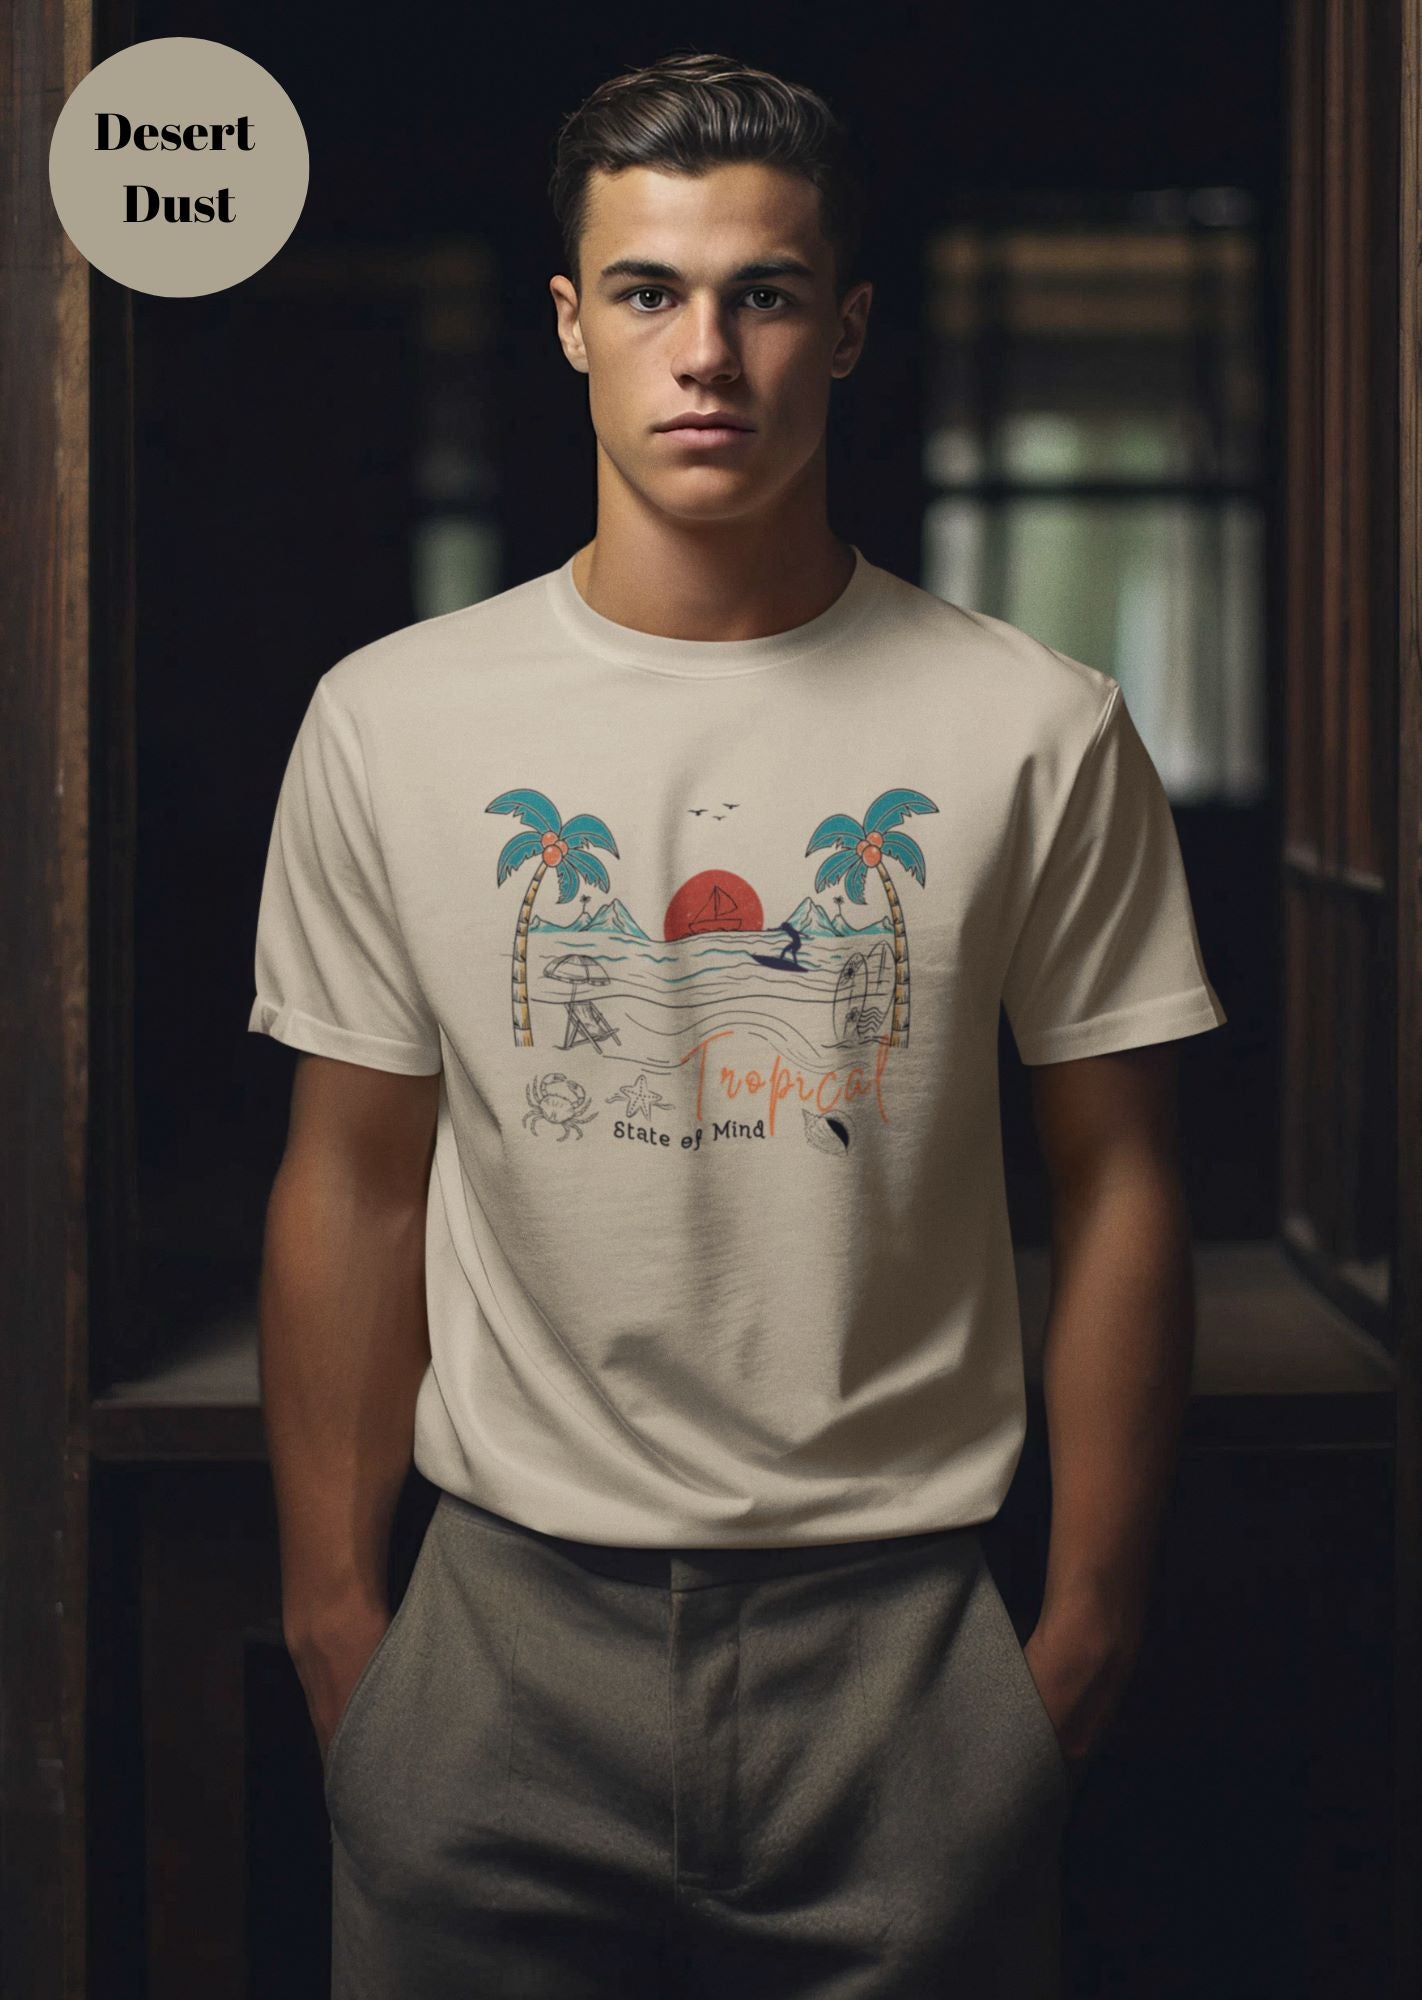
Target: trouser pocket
[(419, 1765), (366, 1681), (1015, 1664)]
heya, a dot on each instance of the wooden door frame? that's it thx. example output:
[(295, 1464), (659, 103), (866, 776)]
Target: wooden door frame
[(1407, 1276), (44, 1047)]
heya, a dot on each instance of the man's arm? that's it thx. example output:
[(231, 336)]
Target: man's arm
[(343, 1348), (1116, 1366)]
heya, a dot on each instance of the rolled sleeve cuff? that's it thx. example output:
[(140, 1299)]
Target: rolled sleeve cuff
[(1164, 1020), (323, 1038)]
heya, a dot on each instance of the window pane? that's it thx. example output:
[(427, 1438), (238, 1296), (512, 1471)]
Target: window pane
[(1162, 594), (1105, 352), (1093, 457)]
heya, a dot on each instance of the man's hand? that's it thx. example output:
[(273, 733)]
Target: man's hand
[(1081, 1662), (329, 1668)]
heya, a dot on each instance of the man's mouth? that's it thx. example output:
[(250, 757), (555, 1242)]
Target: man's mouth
[(703, 435), (711, 427)]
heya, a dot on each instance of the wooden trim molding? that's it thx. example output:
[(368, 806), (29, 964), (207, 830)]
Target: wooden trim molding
[(44, 851), (1408, 1274), (1337, 1172)]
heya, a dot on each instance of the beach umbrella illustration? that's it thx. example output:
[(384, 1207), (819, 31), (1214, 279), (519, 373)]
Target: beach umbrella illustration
[(586, 1020)]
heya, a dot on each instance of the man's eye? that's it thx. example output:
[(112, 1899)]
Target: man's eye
[(764, 292)]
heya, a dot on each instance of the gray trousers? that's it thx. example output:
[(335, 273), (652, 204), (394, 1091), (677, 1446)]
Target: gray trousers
[(569, 1770)]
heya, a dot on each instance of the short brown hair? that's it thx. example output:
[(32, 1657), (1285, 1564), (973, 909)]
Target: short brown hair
[(689, 112)]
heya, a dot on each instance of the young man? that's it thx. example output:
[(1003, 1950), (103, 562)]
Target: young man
[(646, 928)]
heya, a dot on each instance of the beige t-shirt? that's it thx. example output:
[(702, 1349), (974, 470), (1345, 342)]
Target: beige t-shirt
[(707, 940)]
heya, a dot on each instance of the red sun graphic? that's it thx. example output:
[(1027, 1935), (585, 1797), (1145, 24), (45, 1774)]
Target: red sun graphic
[(714, 900)]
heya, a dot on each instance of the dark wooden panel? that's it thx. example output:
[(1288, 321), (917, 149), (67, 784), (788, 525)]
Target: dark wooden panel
[(1404, 549), (113, 1219), (1303, 483), (1351, 1161), (210, 1572), (1337, 1163), (114, 1733), (1233, 1842)]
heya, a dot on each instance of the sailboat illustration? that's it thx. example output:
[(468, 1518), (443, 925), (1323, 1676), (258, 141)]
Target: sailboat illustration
[(718, 913)]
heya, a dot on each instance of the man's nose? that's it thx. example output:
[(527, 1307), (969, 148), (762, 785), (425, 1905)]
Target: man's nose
[(706, 344)]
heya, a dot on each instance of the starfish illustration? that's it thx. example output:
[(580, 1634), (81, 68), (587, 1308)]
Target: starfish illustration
[(642, 1100)]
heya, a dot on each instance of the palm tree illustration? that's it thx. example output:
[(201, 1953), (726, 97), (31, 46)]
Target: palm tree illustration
[(873, 843), (551, 842)]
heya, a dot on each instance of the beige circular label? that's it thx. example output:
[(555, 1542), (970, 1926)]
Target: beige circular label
[(178, 166)]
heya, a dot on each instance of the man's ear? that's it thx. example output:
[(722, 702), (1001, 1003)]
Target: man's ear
[(570, 331), (854, 328)]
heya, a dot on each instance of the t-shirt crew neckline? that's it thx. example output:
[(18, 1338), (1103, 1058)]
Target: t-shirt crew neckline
[(709, 656)]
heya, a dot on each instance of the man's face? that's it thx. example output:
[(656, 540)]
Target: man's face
[(724, 301)]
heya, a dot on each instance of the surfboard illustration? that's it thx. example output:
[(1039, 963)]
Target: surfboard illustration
[(851, 990), (879, 991), (862, 994)]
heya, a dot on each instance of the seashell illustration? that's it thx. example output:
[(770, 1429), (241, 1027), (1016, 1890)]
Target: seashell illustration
[(826, 1133)]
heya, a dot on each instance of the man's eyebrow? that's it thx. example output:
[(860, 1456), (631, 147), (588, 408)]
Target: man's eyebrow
[(769, 267)]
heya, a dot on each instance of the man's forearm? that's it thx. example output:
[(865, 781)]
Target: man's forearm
[(344, 1344), (1116, 1380)]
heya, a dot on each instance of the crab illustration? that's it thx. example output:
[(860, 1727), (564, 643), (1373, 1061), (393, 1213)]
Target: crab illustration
[(557, 1100)]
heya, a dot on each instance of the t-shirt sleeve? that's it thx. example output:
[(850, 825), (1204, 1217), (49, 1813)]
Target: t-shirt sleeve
[(1107, 956), (333, 975)]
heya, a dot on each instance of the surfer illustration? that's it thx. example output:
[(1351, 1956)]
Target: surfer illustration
[(789, 957)]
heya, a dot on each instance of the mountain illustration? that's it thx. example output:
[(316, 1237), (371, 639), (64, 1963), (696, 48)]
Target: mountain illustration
[(613, 916), (810, 917)]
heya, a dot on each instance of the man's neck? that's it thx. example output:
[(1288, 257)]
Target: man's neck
[(719, 585)]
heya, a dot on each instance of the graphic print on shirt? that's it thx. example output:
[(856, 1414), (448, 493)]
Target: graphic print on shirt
[(830, 999)]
